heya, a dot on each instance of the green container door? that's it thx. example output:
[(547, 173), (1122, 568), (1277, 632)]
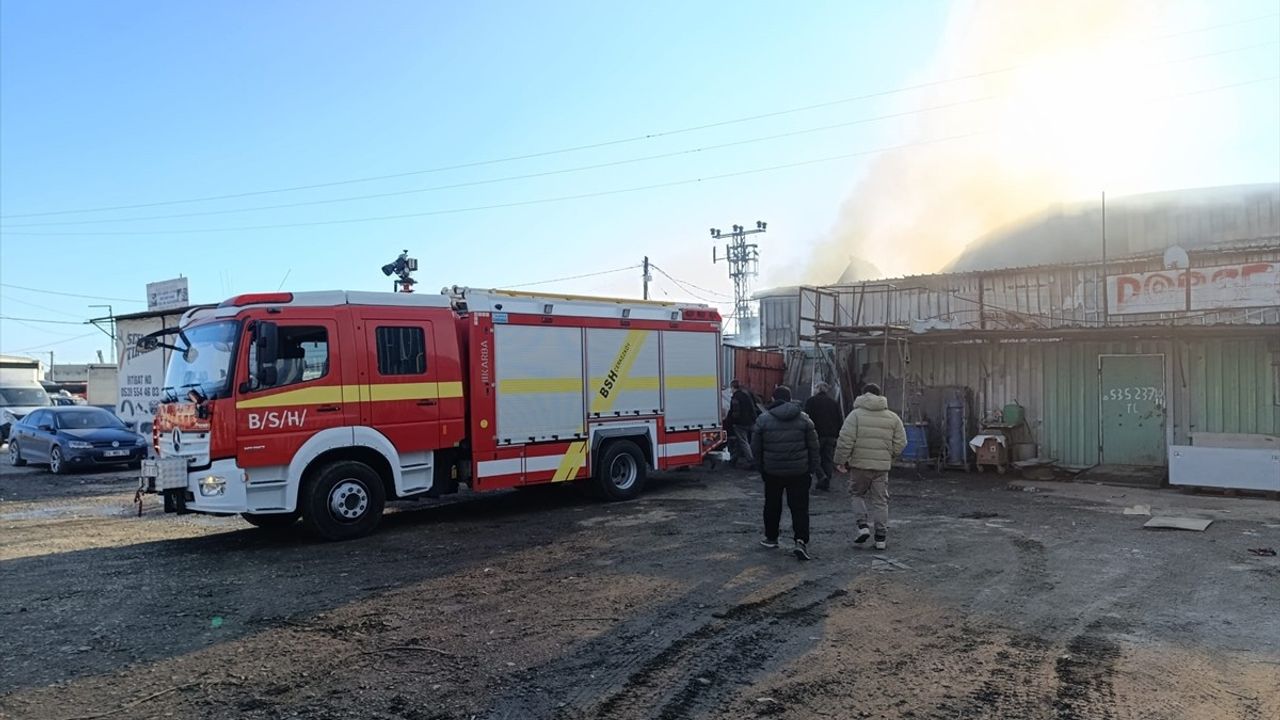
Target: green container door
[(1133, 409)]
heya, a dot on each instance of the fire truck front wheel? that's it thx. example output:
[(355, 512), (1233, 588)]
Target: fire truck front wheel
[(621, 472), (342, 500)]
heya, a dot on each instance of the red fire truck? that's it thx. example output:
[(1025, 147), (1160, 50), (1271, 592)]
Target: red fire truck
[(325, 405)]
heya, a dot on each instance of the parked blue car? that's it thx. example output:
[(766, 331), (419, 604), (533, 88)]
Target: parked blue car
[(74, 437)]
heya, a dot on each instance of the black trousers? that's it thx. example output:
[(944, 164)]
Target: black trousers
[(796, 488)]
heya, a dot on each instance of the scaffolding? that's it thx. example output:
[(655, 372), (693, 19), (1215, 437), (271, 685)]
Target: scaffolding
[(854, 316)]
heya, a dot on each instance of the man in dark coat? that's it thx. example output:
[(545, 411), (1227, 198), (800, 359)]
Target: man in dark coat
[(785, 445), (738, 423), (827, 419)]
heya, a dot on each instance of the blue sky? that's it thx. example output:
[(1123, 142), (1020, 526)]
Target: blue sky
[(129, 103)]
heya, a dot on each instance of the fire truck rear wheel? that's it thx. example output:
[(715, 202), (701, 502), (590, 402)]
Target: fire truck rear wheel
[(620, 474), (343, 500)]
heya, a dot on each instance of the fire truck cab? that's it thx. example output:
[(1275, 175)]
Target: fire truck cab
[(325, 405)]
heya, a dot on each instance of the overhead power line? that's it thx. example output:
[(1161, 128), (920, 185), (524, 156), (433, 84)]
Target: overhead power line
[(55, 342), (67, 294), (39, 329), (38, 320), (510, 178), (596, 145), (571, 277), (690, 293), (576, 169), (689, 287), (521, 203), (579, 196), (46, 308)]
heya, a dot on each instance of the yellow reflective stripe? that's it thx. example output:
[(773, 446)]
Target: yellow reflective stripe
[(692, 382), (621, 371), (571, 462), (450, 390), (320, 395), (382, 392), (634, 383), (414, 391), (523, 386), (355, 393)]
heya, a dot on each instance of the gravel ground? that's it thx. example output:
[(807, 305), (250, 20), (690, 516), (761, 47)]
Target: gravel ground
[(990, 603)]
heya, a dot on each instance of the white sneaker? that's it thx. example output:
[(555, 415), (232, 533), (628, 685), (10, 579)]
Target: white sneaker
[(864, 534), (880, 544)]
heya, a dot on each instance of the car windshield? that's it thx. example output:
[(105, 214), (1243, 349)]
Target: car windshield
[(86, 420), (205, 364), (23, 397)]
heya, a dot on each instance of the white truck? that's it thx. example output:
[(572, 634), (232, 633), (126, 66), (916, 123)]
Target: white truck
[(20, 391)]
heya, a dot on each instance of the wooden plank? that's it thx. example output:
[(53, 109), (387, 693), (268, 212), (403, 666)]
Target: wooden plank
[(1178, 523)]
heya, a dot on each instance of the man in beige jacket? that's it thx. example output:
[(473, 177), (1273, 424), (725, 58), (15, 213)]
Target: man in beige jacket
[(872, 436)]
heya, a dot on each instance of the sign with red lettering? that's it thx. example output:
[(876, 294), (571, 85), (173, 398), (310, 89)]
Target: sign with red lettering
[(1255, 284)]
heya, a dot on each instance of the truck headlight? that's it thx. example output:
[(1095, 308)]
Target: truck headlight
[(80, 445), (212, 485)]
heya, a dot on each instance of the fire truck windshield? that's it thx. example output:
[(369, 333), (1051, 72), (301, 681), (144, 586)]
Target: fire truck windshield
[(204, 365)]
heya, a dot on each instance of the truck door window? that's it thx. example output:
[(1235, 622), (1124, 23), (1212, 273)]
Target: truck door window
[(304, 356), (401, 351)]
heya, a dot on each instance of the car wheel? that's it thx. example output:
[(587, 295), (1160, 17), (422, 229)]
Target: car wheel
[(270, 521), (15, 455), (621, 471), (57, 465), (343, 500)]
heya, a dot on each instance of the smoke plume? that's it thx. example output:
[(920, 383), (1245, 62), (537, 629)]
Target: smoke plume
[(1066, 119)]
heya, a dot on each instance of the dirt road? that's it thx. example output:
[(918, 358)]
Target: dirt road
[(989, 603)]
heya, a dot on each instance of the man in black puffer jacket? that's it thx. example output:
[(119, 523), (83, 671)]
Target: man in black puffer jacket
[(827, 418), (785, 446)]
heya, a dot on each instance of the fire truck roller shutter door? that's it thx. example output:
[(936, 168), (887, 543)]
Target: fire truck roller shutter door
[(690, 374), (622, 369), (538, 372)]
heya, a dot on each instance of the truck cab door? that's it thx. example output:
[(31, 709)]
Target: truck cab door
[(404, 393), (274, 418)]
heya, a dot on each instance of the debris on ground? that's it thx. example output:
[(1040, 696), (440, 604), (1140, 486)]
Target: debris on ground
[(1263, 552), (978, 515), (887, 564), (1138, 510), (1178, 523)]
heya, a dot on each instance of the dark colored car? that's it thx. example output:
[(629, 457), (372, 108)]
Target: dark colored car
[(71, 437)]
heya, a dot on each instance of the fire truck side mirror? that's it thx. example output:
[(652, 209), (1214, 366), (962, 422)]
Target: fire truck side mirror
[(266, 338)]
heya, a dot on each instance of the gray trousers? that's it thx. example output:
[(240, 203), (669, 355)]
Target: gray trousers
[(740, 444), (873, 486)]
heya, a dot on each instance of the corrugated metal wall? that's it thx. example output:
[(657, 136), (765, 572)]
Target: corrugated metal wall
[(1028, 298), (1212, 384), (759, 370), (779, 315)]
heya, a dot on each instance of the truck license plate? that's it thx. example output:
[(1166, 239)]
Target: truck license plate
[(115, 453)]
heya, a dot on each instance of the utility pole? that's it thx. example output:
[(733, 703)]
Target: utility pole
[(51, 371), (646, 277), (111, 315), (1106, 285), (744, 264)]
